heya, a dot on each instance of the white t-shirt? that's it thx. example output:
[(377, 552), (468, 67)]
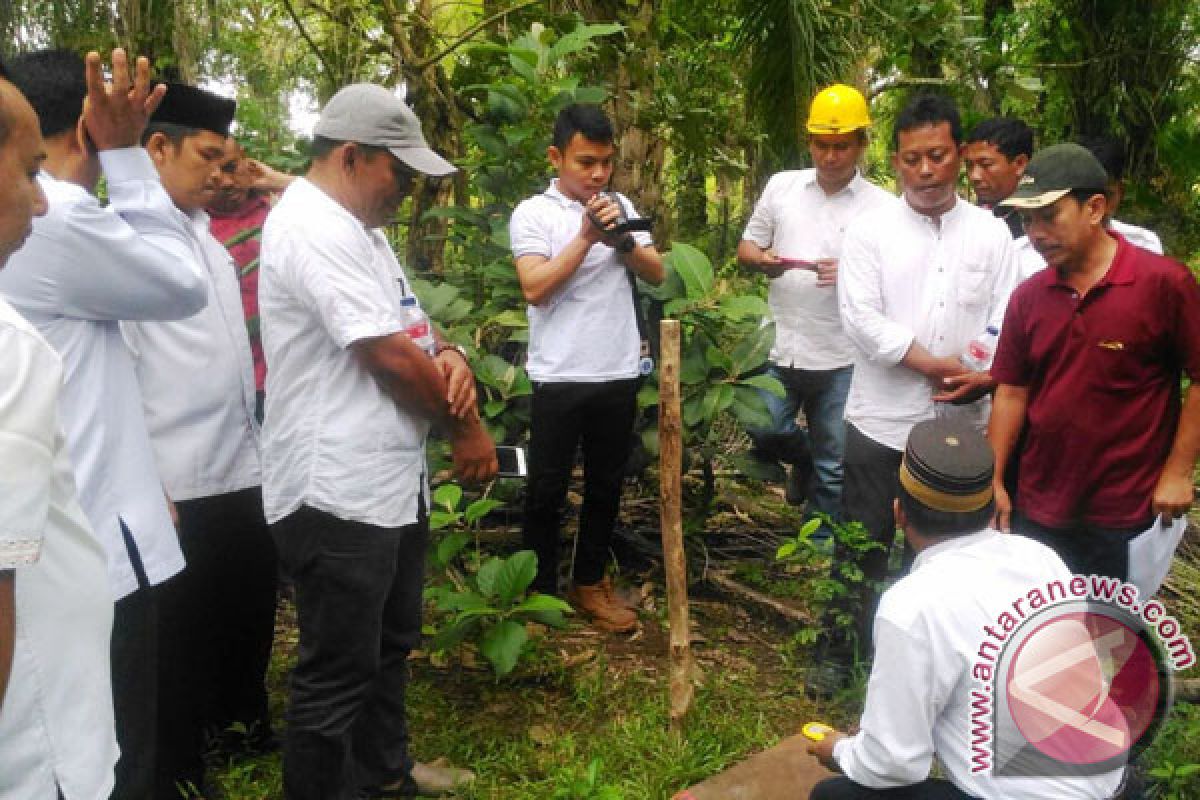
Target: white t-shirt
[(797, 219), (586, 331), (332, 438), (1031, 261), (928, 633), (56, 721), (84, 268), (197, 380), (905, 278)]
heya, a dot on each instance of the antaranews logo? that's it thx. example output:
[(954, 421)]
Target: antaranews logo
[(1074, 678)]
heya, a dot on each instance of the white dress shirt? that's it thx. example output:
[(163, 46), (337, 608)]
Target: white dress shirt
[(1031, 261), (586, 331), (333, 439), (56, 720), (928, 633), (84, 268), (796, 219), (197, 381), (905, 278)]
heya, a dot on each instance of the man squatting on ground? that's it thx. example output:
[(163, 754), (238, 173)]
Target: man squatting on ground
[(217, 617), (927, 634), (1089, 366), (802, 216), (84, 268), (350, 399), (920, 277), (583, 354)]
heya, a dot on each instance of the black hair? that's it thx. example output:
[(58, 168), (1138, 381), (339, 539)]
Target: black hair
[(927, 109), (1009, 135), (321, 146), (930, 522), (590, 121), (54, 84), (1109, 152), (175, 133)]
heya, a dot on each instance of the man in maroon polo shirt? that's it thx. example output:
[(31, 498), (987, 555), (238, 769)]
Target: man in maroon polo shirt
[(1089, 363)]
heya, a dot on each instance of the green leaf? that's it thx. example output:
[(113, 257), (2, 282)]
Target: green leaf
[(488, 575), (553, 619), (439, 519), (448, 496), (647, 396), (752, 350), (751, 410), (480, 509), (453, 634), (739, 306), (460, 601), (502, 644), (693, 268), (515, 575), (450, 546), (767, 383), (511, 318), (542, 602), (786, 550), (718, 359)]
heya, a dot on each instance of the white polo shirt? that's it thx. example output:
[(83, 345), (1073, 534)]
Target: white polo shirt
[(1031, 261), (332, 438), (928, 632), (56, 721), (586, 331), (905, 278), (797, 219), (85, 267), (197, 381)]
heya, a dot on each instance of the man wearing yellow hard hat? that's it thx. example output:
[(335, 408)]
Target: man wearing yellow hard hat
[(794, 237)]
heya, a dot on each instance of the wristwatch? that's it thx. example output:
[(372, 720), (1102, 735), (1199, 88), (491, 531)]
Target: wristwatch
[(444, 346)]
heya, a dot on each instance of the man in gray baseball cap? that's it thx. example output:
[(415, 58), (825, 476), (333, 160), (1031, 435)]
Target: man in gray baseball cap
[(356, 380)]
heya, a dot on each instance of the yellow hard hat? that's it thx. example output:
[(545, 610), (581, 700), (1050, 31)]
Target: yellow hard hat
[(838, 109)]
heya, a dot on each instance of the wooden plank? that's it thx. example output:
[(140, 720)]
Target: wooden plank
[(670, 442), (785, 772)]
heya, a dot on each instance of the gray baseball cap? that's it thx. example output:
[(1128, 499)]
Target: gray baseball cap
[(1055, 171), (370, 114)]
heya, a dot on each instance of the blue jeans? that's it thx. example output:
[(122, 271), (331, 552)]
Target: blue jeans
[(822, 395)]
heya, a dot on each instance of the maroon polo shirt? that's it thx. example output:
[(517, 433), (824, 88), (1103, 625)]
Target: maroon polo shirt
[(1103, 373)]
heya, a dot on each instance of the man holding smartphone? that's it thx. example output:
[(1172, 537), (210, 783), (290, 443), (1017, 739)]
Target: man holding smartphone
[(794, 237), (583, 353)]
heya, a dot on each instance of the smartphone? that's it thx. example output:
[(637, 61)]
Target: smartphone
[(512, 462), (796, 263)]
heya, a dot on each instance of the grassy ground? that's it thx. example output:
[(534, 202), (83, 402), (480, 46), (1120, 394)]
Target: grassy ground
[(586, 717)]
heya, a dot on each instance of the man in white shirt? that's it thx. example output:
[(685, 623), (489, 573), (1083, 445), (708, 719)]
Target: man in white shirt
[(56, 716), (795, 237), (929, 630), (216, 619), (350, 399), (921, 278), (583, 354), (84, 268)]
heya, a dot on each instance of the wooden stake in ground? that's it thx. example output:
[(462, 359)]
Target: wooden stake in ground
[(670, 475)]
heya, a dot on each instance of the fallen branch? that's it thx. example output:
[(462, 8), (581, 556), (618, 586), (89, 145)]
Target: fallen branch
[(725, 582)]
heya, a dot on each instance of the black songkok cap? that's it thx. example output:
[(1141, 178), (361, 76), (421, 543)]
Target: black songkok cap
[(948, 466), (193, 107)]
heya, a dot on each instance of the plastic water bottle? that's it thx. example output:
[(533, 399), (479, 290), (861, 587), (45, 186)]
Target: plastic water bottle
[(416, 324), (979, 352)]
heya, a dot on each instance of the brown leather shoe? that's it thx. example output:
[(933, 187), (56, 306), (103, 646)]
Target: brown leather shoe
[(599, 602)]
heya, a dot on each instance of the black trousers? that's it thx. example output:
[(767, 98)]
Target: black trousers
[(1085, 549), (216, 625), (358, 602), (135, 690), (598, 416), (871, 487), (842, 788)]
